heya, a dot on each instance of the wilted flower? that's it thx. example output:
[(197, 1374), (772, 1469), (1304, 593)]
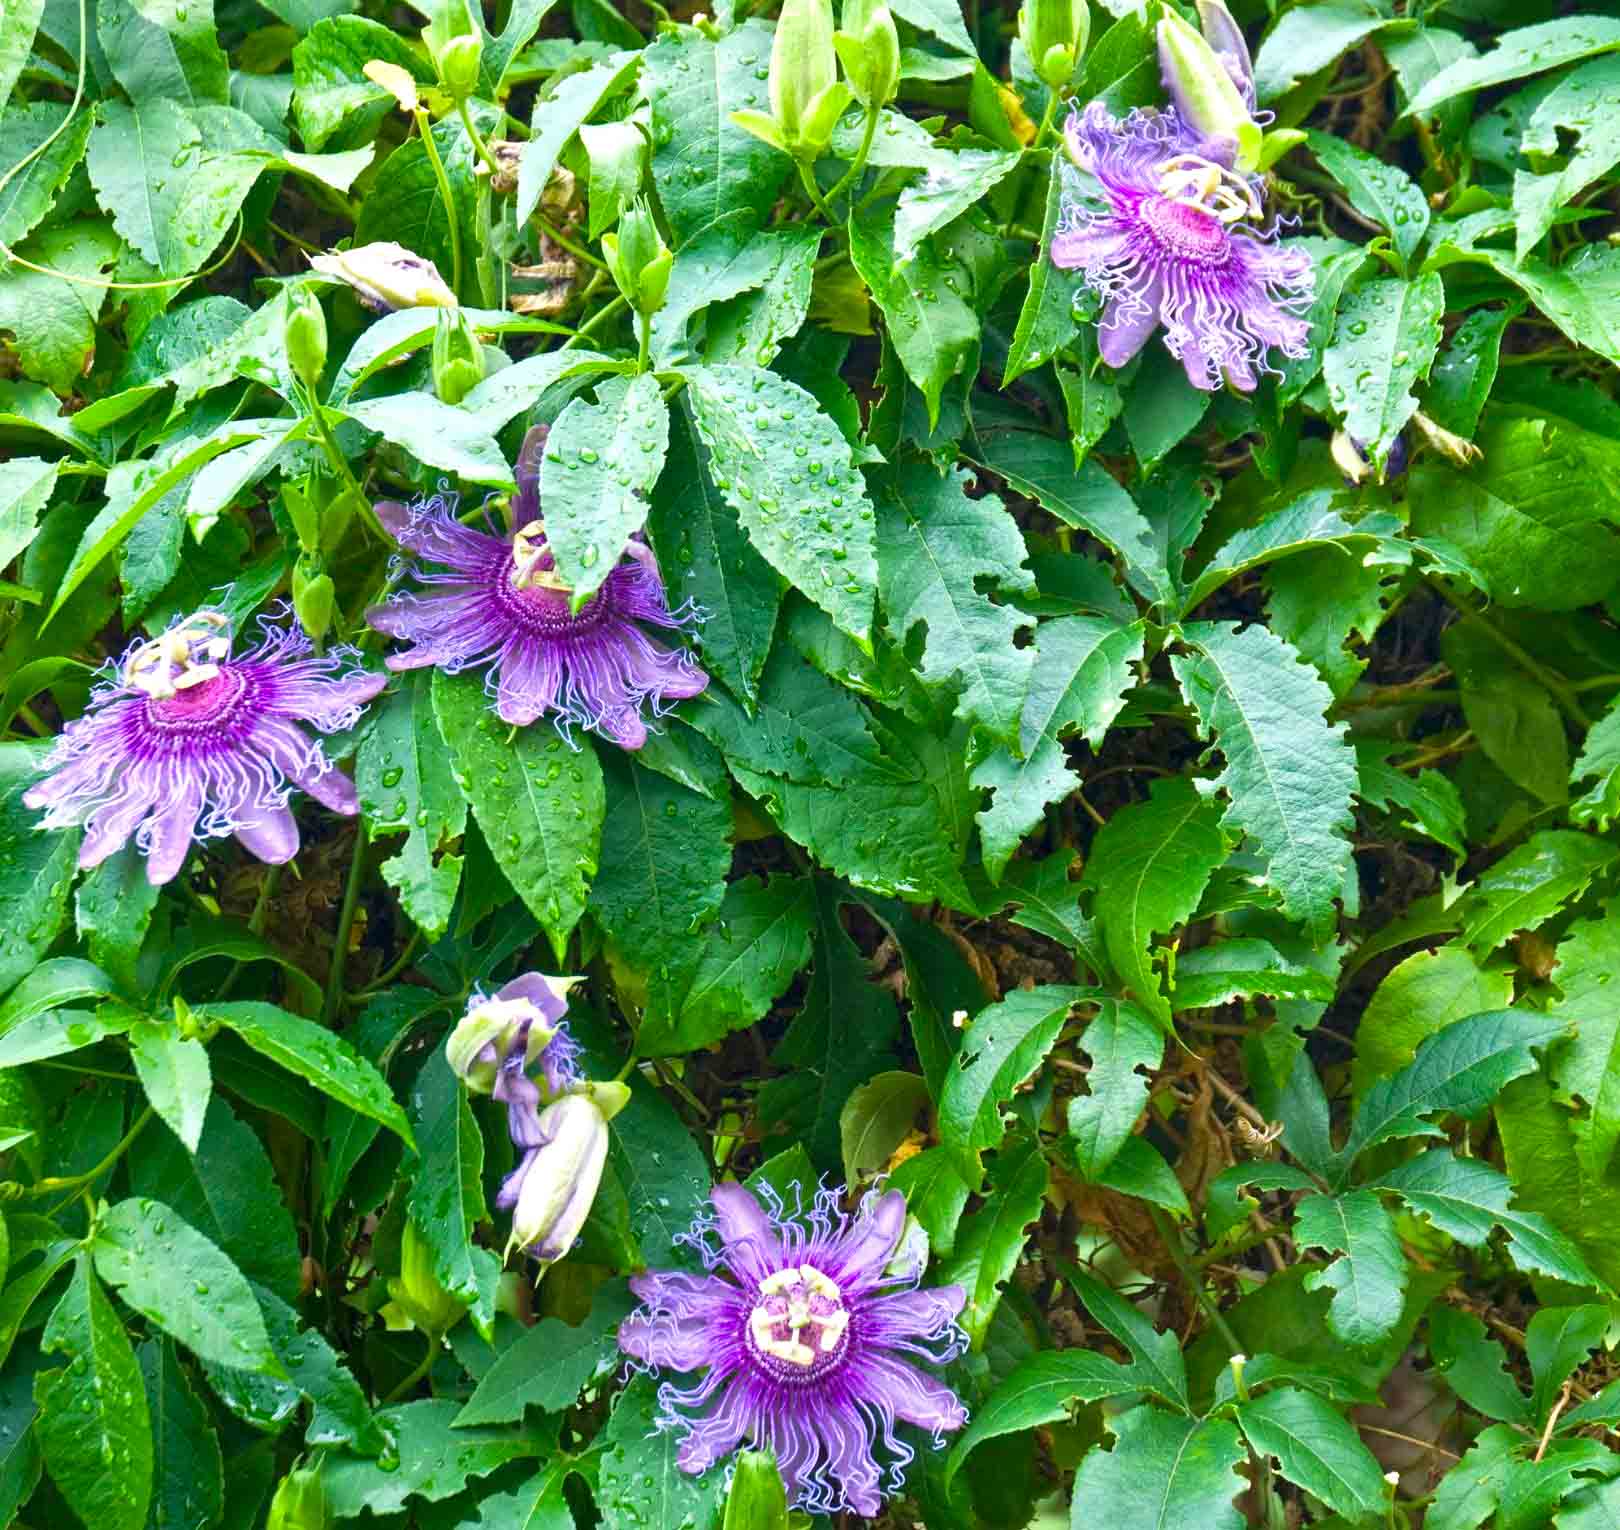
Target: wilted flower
[(1171, 248), (500, 602), (1354, 459), (188, 743), (387, 276), (551, 1191), (503, 1035), (803, 1333)]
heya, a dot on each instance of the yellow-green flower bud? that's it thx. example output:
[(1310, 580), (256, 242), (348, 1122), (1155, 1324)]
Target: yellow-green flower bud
[(416, 1289), (1206, 95), (869, 48), (304, 335), (557, 1181), (638, 258), (387, 276), (314, 598), (1054, 34), (300, 1502), (458, 358), (758, 1500), (458, 62), (803, 63)]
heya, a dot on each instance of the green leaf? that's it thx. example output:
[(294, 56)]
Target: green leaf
[(1466, 369), (1511, 713), (28, 195), (1467, 1494), (1083, 668), (1086, 498), (1309, 39), (36, 869), (640, 1483), (1316, 1448), (548, 1365), (953, 183), (228, 1192), (435, 1460), (1475, 1366), (164, 50), (331, 94), (1593, 1508), (664, 1174), (504, 394), (1527, 50), (877, 1117), (939, 18), (1423, 994), (1515, 518), (1599, 757), (1465, 1198), (1588, 1066), (1558, 1341), (1369, 1280), (1577, 296), (1043, 1389), (706, 557), (1046, 322), (703, 164), (188, 1472), (436, 434), (447, 1194), (1575, 120), (1459, 1070), (600, 464), (340, 1414), (1289, 774), (748, 957), (94, 1428), (173, 1070), (1001, 1049), (1124, 1045), (989, 1247), (113, 908), (1528, 886), (1432, 800), (538, 1504), (934, 331), (54, 321), (936, 1194), (1091, 402), (17, 30), (1161, 406), (173, 1276), (1147, 872), (941, 554), (522, 22), (1387, 336), (1162, 1470), (539, 802), (1377, 190), (313, 1053), (1241, 968), (665, 855), (788, 472), (403, 774)]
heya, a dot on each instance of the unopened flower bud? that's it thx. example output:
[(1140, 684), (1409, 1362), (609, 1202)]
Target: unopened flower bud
[(1206, 95), (314, 598), (416, 1289), (1354, 460), (869, 48), (1225, 36), (551, 1192), (300, 1502), (457, 62), (1054, 34), (458, 358), (638, 258), (803, 62), (387, 276), (757, 1500), (304, 335)]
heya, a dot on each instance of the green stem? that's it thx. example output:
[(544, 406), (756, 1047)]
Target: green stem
[(807, 179), (418, 1373), (1046, 120), (480, 148), (560, 239), (74, 1182), (340, 463), (340, 951), (425, 128), (388, 975), (858, 164), (645, 345), (1171, 1237), (596, 319)]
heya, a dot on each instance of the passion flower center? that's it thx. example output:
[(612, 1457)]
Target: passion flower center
[(1186, 232), (536, 595), (202, 706), (1209, 188), (185, 656), (798, 1326)]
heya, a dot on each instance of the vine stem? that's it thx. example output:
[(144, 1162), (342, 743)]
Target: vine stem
[(807, 179), (418, 1372), (858, 164), (75, 1182), (340, 951), (425, 128)]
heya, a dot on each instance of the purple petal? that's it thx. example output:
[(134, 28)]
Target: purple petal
[(857, 1261), (909, 1394), (1128, 323), (273, 839), (533, 987), (530, 677), (526, 472), (752, 1247), (110, 827), (166, 836)]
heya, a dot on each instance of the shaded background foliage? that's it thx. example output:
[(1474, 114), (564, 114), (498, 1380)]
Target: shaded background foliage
[(1188, 875)]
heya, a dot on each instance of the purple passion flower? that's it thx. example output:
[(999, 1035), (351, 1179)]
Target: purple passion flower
[(188, 743), (1170, 250), (804, 1334), (500, 602)]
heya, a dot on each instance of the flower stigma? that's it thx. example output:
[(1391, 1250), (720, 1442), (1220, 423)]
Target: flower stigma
[(532, 563), (799, 1320), (1209, 188), (184, 656)]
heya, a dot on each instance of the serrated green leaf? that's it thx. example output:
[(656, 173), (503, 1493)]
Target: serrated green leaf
[(1474, 1365), (1378, 190), (1124, 1044), (1435, 804), (1046, 322), (1526, 50), (664, 1174), (1162, 1470), (1289, 774), (1468, 1493), (941, 555), (1557, 1342), (877, 1117), (447, 1194), (1368, 1280), (1592, 1508), (991, 1243), (36, 870), (1147, 871), (1385, 342), (548, 1364), (1466, 369), (94, 1428), (954, 182), (1588, 1067), (1575, 120), (1241, 968), (538, 1504), (173, 1070), (17, 31), (188, 1473), (437, 435), (1316, 1448), (788, 472), (340, 1413), (164, 50), (313, 1053), (1511, 713), (539, 802), (1308, 40), (600, 464), (174, 1277), (331, 94), (28, 195), (1599, 757), (1530, 885), (640, 1482), (52, 320)]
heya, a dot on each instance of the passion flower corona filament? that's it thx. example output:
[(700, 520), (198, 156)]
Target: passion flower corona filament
[(1176, 246), (499, 602), (803, 1333), (187, 743)]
